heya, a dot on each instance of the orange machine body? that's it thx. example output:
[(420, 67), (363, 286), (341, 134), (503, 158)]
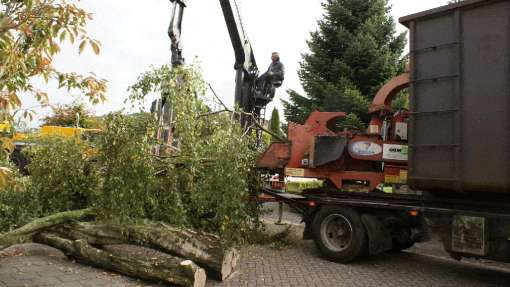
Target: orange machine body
[(344, 158)]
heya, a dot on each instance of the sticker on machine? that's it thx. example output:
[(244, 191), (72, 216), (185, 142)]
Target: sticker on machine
[(365, 148), (297, 172), (395, 152)]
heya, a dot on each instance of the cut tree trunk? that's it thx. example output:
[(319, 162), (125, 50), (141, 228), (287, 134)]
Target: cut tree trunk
[(24, 233), (205, 250), (172, 270)]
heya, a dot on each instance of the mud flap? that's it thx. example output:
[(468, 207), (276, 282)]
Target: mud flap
[(308, 232), (379, 238)]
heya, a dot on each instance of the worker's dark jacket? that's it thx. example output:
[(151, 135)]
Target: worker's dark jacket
[(278, 70)]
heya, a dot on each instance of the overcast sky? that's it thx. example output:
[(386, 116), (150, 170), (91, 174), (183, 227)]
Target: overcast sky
[(134, 37)]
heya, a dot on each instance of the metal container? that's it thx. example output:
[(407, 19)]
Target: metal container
[(460, 97)]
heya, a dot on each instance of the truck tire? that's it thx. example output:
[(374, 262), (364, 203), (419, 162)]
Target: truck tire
[(339, 234)]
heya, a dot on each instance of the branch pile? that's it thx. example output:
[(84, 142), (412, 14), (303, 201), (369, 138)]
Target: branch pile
[(188, 255), (140, 190)]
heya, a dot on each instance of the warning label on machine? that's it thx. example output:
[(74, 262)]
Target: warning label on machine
[(395, 152), (297, 172), (398, 178)]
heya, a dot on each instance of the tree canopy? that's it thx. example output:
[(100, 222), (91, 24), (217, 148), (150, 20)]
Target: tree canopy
[(72, 115), (30, 31), (352, 54), (200, 184)]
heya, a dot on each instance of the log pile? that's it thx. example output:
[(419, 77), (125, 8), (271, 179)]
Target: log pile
[(189, 258)]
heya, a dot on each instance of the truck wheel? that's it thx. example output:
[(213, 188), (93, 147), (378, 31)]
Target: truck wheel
[(339, 234)]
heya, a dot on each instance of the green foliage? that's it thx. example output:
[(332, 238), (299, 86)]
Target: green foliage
[(401, 102), (266, 139), (353, 122), (299, 107), (67, 116), (352, 54), (213, 182), (11, 215), (62, 175), (131, 189), (275, 126), (30, 31), (30, 34), (222, 193), (205, 184), (16, 201)]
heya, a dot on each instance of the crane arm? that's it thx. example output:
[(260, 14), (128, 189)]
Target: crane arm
[(175, 31), (243, 50), (245, 65), (247, 72)]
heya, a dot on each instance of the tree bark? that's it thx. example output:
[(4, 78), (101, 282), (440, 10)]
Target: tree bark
[(205, 250), (25, 233), (171, 270)]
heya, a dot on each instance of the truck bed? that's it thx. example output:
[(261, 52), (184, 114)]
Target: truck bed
[(499, 207)]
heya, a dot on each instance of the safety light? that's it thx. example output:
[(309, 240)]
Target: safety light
[(413, 213)]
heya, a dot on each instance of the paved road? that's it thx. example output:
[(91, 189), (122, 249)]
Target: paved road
[(263, 266), (296, 265)]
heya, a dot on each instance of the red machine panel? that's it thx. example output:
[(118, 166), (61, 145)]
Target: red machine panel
[(349, 160)]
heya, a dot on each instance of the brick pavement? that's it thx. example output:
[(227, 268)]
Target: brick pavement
[(39, 271), (298, 265)]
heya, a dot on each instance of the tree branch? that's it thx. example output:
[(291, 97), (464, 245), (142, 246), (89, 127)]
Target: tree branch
[(24, 233), (257, 124)]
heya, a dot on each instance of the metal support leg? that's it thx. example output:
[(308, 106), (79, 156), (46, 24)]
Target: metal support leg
[(280, 214)]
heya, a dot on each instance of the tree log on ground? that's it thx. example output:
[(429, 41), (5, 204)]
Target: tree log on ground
[(172, 270), (24, 233), (204, 249)]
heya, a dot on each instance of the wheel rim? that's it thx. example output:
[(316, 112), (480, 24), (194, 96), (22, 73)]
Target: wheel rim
[(336, 232)]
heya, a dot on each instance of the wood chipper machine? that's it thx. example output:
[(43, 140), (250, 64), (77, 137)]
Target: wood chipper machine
[(346, 159)]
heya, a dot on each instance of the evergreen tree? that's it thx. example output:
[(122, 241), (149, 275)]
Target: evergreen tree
[(274, 125), (352, 54)]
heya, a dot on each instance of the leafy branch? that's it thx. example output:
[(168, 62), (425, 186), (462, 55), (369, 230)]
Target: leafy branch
[(29, 32)]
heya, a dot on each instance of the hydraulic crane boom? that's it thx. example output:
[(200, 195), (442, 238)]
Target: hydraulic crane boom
[(174, 31), (162, 108), (245, 65), (246, 68)]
